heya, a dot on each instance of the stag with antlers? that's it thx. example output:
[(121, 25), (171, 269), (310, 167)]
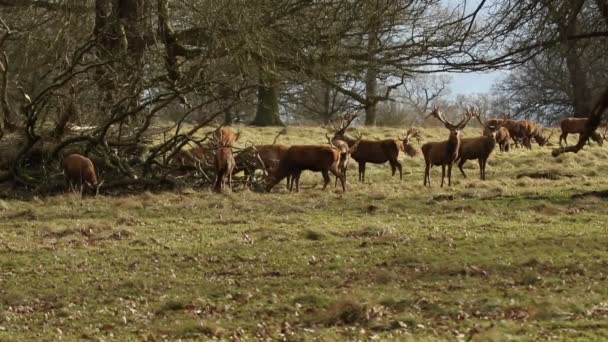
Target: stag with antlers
[(443, 153), (368, 151)]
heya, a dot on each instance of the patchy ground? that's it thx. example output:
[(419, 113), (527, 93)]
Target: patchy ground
[(516, 256)]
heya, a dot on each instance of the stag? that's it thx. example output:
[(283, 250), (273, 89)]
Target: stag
[(443, 153), (577, 126), (226, 136), (345, 153), (80, 170), (478, 148), (368, 151), (224, 165), (406, 138), (320, 158)]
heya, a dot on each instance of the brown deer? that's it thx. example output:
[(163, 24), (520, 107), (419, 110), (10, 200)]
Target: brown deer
[(577, 126), (79, 170), (260, 157), (345, 153), (320, 158), (443, 153), (368, 151), (226, 136), (478, 148), (224, 165), (503, 138), (406, 139)]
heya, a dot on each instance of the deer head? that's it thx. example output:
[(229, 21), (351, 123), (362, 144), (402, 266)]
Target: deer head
[(489, 130), (338, 127), (409, 134), (454, 129)]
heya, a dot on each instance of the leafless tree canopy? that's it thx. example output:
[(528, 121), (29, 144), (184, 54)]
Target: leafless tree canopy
[(108, 77)]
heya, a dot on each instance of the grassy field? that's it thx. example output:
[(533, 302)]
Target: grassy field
[(509, 258)]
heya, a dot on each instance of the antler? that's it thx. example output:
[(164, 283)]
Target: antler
[(341, 123), (437, 114), (281, 132), (411, 133)]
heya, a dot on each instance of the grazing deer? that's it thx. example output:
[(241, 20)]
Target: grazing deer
[(443, 153), (577, 126), (478, 148), (80, 170), (320, 158), (406, 138), (368, 151), (224, 165), (260, 157)]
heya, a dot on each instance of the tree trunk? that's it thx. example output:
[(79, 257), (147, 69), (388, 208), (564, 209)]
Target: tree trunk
[(371, 77), (578, 78), (267, 113)]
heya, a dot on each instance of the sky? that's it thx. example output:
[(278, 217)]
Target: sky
[(475, 82)]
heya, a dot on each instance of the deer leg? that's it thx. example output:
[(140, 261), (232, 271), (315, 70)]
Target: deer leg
[(460, 165), (450, 174), (361, 171), (442, 174), (481, 169), (298, 174), (326, 178), (400, 168), (339, 174), (427, 174)]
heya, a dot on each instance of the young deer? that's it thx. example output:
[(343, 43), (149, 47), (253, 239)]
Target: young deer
[(368, 151), (80, 170), (444, 152), (478, 148)]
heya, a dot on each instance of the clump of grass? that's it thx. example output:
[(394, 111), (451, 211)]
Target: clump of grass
[(172, 305), (314, 235), (345, 312)]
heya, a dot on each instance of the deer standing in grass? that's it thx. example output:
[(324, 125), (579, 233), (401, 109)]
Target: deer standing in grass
[(79, 170), (320, 158), (345, 153), (577, 126), (478, 148), (368, 151), (443, 153), (224, 139)]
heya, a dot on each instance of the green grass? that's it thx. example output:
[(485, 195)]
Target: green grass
[(505, 259)]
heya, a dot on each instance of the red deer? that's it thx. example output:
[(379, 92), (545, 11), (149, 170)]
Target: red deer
[(345, 153), (577, 126), (502, 135), (503, 139), (260, 157), (224, 165), (406, 146), (443, 153), (80, 170), (298, 158), (478, 148), (368, 151), (226, 136)]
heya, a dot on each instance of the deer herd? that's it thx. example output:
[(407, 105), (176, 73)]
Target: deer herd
[(279, 161)]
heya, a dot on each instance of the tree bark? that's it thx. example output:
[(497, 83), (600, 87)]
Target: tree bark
[(267, 113)]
